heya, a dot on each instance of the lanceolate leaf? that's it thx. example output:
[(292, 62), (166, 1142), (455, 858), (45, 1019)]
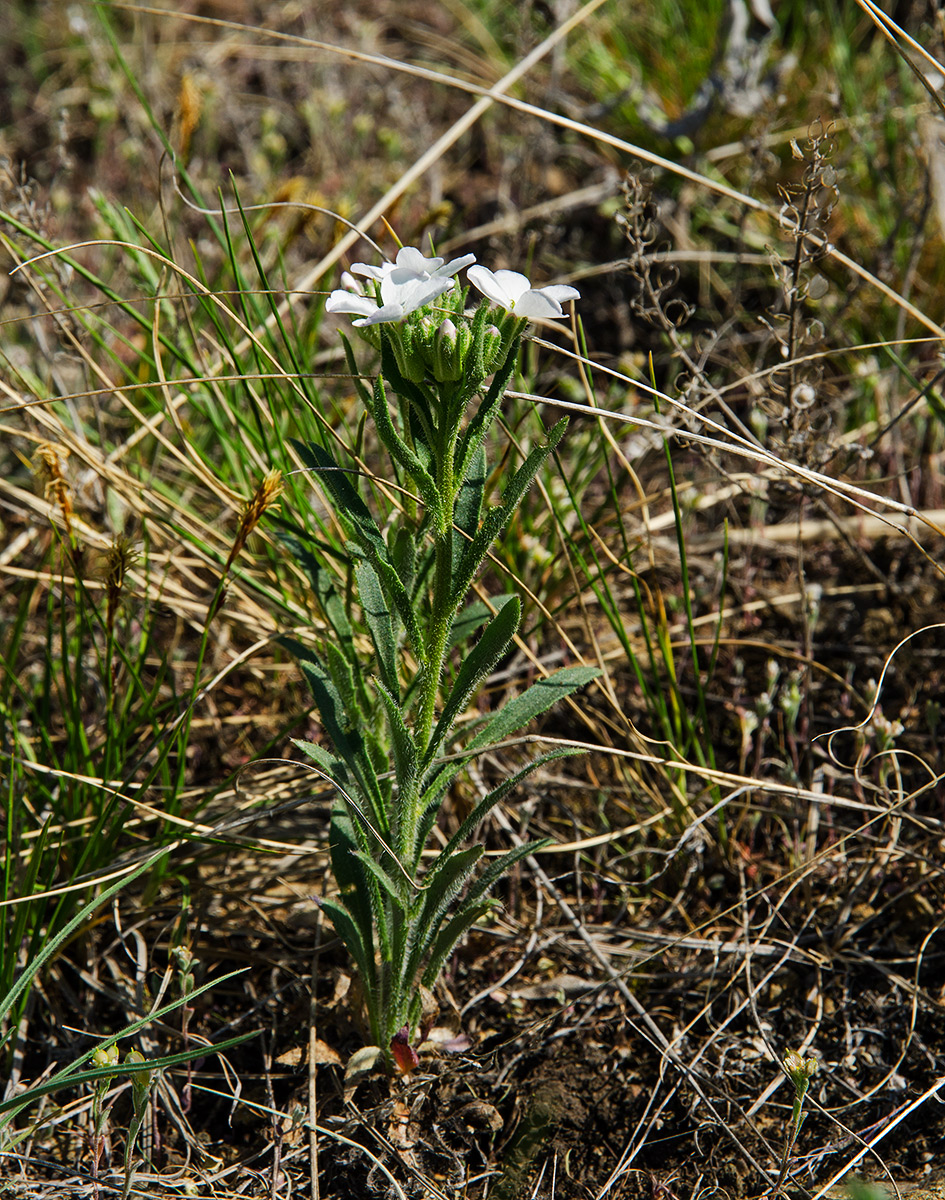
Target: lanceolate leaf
[(531, 703), (469, 504), (443, 885), (445, 941), (333, 767), (488, 802), (481, 661), (341, 673), (363, 530), (359, 889), (471, 617), (399, 449), (474, 433), (385, 881), (508, 720), (323, 585), (355, 940), (405, 748), (497, 518), (499, 866), (347, 744), (378, 618)]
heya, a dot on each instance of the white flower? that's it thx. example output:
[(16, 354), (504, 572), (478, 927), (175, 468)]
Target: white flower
[(514, 292), (408, 283)]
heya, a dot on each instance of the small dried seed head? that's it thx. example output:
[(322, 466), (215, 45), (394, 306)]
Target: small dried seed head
[(47, 472), (264, 497)]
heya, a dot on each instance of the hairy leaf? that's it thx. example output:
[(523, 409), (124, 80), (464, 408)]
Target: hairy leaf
[(477, 666)]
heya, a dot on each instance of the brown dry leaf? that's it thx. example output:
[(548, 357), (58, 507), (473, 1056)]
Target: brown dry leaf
[(324, 1055), (291, 1058)]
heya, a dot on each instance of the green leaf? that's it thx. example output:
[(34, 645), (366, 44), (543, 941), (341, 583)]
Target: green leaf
[(470, 618), (323, 585), (345, 738), (385, 881), (447, 938), (494, 872), (488, 802), (478, 664), (497, 518), (49, 951), (473, 435), (363, 393), (333, 767), (510, 718), (162, 1062), (378, 619), (346, 839), (349, 506), (341, 672), (404, 746), (532, 703), (331, 709), (358, 941), (70, 1074), (443, 884), (400, 451), (403, 553), (469, 504)]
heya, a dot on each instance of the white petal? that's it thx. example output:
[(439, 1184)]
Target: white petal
[(456, 264), (536, 305), (413, 292), (483, 279), (411, 258), (347, 302), (514, 284), (560, 292), (389, 312), (372, 272)]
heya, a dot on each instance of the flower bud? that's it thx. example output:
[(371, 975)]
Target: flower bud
[(799, 1070), (140, 1081), (105, 1056), (449, 351), (407, 342), (493, 345)]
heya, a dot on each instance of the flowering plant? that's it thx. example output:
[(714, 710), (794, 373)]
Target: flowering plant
[(393, 721)]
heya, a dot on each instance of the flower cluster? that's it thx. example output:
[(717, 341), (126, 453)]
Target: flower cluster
[(413, 281)]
